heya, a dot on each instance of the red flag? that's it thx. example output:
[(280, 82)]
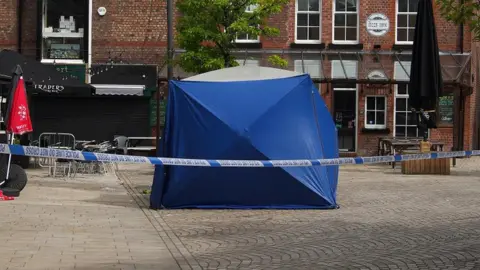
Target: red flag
[(19, 121)]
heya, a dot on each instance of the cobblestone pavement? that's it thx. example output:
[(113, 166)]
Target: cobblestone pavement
[(386, 221), (84, 223)]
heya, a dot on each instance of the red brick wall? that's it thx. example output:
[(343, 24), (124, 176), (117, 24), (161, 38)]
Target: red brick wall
[(135, 31)]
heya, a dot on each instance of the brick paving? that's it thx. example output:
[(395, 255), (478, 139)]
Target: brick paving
[(83, 223), (386, 221)]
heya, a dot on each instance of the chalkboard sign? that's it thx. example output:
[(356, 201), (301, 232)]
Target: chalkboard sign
[(445, 110), (153, 112)]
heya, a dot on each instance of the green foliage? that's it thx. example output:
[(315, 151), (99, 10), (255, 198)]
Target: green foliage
[(207, 30), (467, 13), (278, 61)]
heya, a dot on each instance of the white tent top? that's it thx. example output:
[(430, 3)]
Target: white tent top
[(243, 73)]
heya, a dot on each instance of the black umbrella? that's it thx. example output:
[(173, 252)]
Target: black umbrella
[(45, 78), (426, 81)]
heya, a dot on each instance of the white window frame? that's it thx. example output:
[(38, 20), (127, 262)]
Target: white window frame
[(334, 41), (249, 9), (404, 96), (376, 126), (89, 36), (396, 23), (319, 41)]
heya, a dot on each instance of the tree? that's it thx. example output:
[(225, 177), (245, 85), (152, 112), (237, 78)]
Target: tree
[(207, 30), (465, 12)]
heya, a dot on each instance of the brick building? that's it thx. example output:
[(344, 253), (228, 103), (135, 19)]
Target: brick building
[(358, 51)]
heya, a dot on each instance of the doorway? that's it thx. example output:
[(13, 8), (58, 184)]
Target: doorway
[(344, 116)]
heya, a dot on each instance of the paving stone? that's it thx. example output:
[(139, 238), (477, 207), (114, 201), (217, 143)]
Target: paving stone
[(386, 221), (80, 223)]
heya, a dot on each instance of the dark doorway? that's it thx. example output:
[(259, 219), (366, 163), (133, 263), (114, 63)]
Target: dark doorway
[(344, 116)]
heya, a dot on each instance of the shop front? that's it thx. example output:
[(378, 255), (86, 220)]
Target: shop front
[(367, 95)]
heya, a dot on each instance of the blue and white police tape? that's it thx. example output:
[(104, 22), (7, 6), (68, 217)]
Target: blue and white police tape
[(90, 156)]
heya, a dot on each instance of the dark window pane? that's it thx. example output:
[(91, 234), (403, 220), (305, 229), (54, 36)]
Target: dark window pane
[(314, 33), (351, 5), (380, 103), (314, 5), (339, 5), (351, 19), (402, 35), (411, 119), (402, 89), (411, 132), (339, 34), (380, 118), (402, 20), (402, 5), (401, 105), (302, 20), (314, 20), (411, 20), (411, 34), (302, 5), (371, 118), (370, 103), (351, 34), (339, 19), (413, 5), (400, 118), (302, 33), (242, 36), (399, 131)]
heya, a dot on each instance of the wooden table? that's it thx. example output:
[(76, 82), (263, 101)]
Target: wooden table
[(394, 146)]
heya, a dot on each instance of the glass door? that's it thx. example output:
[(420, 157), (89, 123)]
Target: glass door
[(345, 112)]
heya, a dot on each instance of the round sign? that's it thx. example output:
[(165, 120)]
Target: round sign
[(377, 24), (102, 11)]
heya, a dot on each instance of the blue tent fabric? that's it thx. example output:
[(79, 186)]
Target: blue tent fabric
[(250, 120)]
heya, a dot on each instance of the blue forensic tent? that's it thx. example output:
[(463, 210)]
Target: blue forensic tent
[(246, 113)]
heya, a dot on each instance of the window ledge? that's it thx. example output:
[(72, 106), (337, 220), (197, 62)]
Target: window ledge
[(367, 130), (318, 46), (248, 45), (62, 61), (337, 46), (402, 47)]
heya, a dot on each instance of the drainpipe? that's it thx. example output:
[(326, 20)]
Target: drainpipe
[(19, 24), (460, 32)]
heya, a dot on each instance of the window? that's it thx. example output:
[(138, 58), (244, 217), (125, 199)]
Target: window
[(345, 21), (375, 112), (406, 17), (404, 126), (342, 69), (312, 67), (248, 62), (64, 24), (307, 21), (247, 38)]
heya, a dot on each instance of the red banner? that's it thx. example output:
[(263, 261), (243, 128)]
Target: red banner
[(19, 121)]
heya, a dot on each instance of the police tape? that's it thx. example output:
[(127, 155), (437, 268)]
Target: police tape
[(33, 151)]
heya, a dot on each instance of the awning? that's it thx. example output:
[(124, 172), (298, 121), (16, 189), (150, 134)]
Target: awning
[(361, 67), (119, 89), (46, 79)]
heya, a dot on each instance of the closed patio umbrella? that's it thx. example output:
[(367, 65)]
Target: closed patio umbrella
[(426, 81)]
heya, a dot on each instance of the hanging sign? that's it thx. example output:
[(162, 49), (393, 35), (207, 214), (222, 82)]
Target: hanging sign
[(378, 24)]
